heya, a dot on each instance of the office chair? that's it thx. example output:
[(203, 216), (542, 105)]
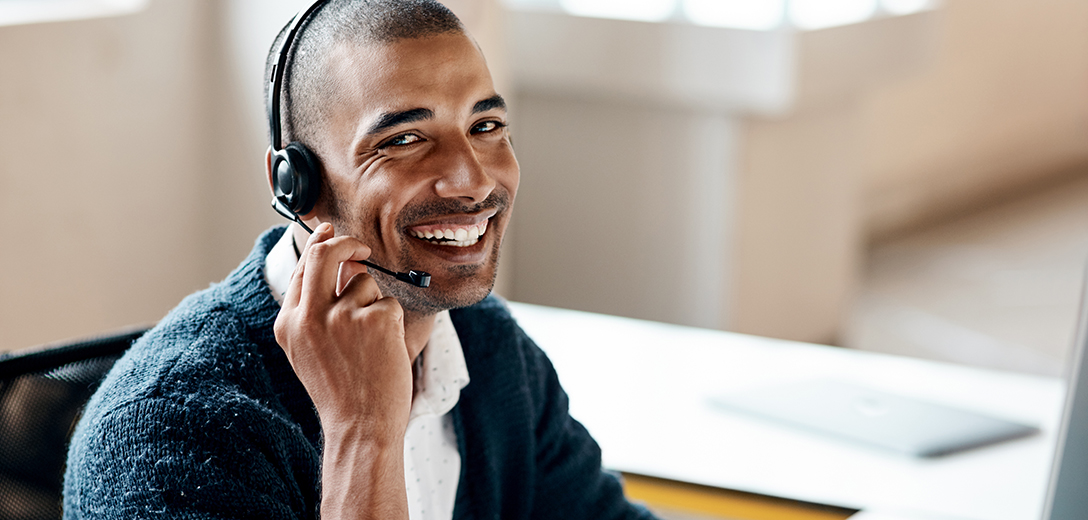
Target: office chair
[(42, 393)]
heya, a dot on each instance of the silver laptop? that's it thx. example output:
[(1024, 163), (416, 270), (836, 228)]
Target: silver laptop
[(915, 427), (873, 418), (1067, 494)]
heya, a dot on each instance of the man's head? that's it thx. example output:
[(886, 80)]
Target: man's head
[(397, 103)]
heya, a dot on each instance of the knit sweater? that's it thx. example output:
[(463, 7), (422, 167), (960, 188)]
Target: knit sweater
[(204, 418)]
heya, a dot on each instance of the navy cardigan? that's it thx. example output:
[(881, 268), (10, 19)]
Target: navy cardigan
[(204, 418)]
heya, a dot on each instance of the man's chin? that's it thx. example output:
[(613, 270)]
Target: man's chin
[(453, 285), (452, 289)]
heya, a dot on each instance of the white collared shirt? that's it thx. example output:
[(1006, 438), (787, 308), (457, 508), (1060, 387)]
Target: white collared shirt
[(432, 464)]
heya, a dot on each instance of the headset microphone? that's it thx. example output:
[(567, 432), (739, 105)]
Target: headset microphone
[(296, 179)]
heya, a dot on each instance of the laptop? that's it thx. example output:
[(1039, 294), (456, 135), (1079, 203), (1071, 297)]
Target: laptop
[(869, 417), (1067, 493), (918, 428)]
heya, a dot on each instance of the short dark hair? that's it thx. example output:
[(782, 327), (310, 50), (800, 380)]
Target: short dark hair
[(308, 92)]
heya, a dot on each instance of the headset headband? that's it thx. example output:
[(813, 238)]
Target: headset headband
[(275, 83), (293, 172)]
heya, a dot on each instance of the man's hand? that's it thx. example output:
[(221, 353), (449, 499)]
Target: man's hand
[(346, 344)]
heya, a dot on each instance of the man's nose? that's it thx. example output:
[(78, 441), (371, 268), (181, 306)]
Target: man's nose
[(464, 176)]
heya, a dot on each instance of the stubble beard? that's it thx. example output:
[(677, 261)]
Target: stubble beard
[(431, 300), (478, 279)]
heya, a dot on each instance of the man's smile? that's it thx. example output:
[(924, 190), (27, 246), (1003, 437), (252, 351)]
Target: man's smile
[(456, 236), (461, 231)]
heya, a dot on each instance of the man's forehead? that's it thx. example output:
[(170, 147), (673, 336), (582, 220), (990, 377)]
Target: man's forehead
[(436, 73), (410, 62)]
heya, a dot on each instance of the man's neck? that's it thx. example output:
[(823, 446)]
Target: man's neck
[(417, 332)]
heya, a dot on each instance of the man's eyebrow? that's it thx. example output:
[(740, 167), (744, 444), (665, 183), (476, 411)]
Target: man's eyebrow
[(391, 119), (490, 103)]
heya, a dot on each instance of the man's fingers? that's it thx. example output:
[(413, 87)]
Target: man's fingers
[(348, 270), (361, 290), (386, 313), (294, 287), (322, 232), (323, 257)]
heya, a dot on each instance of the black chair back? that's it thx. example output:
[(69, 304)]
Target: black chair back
[(42, 392)]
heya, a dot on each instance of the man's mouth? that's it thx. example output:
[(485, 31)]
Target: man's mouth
[(451, 234)]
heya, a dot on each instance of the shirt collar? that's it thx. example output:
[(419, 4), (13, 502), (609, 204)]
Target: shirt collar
[(280, 264), (440, 372)]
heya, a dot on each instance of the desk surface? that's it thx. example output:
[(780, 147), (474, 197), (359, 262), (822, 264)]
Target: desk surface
[(642, 389)]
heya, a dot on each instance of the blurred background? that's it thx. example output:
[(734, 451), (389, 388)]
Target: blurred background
[(906, 176)]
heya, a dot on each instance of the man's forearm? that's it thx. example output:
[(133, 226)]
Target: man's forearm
[(362, 478)]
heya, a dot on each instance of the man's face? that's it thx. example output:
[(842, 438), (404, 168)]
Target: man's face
[(419, 165)]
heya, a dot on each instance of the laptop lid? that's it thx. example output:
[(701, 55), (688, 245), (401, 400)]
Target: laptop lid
[(873, 418), (1067, 495)]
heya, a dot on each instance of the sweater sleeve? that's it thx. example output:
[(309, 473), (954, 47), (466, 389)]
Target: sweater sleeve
[(197, 457), (570, 481)]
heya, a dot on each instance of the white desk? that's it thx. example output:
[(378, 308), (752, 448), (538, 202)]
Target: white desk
[(641, 389)]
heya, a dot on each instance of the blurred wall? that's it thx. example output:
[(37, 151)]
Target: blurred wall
[(1003, 106), (894, 123), (114, 141), (657, 189), (621, 209)]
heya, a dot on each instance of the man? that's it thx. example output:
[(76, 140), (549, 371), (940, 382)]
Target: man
[(303, 386)]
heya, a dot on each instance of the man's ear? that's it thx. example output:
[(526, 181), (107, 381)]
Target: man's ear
[(268, 168)]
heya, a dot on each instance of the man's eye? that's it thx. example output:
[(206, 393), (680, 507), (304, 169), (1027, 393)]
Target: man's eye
[(487, 126), (402, 140)]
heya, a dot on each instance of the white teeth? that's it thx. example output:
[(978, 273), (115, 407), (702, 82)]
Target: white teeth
[(462, 243), (462, 237)]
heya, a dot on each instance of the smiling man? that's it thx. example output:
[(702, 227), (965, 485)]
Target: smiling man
[(306, 385)]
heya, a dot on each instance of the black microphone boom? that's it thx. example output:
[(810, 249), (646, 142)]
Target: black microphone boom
[(413, 277)]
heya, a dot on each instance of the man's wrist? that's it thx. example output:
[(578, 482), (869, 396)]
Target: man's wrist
[(362, 476), (363, 433)]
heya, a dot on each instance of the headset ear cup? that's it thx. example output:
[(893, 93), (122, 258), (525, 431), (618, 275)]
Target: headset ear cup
[(296, 179)]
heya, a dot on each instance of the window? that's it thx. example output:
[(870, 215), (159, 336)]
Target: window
[(737, 14), (13, 12)]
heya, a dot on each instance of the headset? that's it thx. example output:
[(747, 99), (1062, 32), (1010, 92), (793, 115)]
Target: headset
[(296, 176)]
